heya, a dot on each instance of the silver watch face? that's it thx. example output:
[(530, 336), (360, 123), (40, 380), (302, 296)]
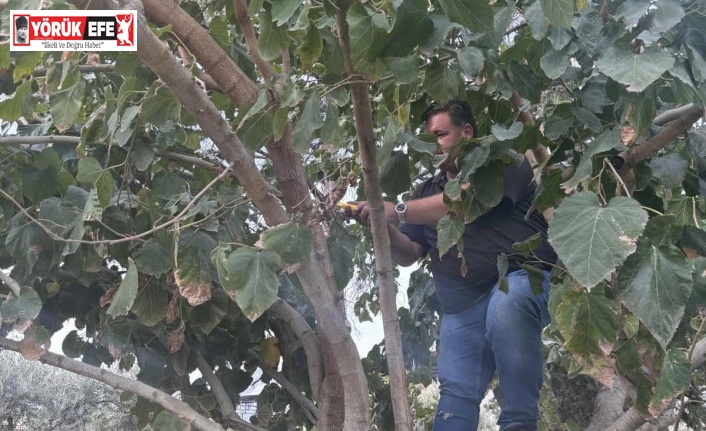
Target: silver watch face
[(401, 208)]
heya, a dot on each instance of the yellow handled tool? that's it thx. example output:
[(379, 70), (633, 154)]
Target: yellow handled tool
[(345, 206)]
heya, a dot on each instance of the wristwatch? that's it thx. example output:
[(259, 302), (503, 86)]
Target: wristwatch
[(401, 210)]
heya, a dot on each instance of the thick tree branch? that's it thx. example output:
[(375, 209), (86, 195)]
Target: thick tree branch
[(177, 407), (11, 283), (240, 7), (671, 115), (310, 410), (230, 78), (219, 392), (671, 131), (632, 419), (384, 266), (307, 337), (34, 140)]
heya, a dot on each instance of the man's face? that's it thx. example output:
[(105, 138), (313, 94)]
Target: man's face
[(447, 134), (22, 33)]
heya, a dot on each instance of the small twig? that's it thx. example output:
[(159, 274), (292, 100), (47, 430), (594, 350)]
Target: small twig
[(617, 175), (682, 404), (11, 283)]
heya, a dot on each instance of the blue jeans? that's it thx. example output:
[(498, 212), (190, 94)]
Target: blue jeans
[(500, 332)]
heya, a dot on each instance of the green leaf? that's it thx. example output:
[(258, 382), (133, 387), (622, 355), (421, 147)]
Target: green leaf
[(471, 60), (554, 63), (401, 41), (309, 121), (475, 15), (21, 308), (331, 132), (524, 81), (538, 23), (25, 241), (341, 247), (64, 220), (282, 10), (669, 169), (364, 28), (536, 278), (632, 10), (25, 63), (674, 378), (441, 83), (151, 304), (696, 147), (588, 118), (668, 14), (527, 246), (450, 230), (593, 240), (684, 210), (257, 130), (395, 174), (160, 106), (65, 105), (502, 264), (249, 278), (168, 421), (312, 46), (208, 315), (594, 325), (11, 108), (193, 275), (559, 12), (419, 145), (661, 230), (406, 70), (504, 134), (602, 143), (91, 172), (273, 39), (125, 295), (292, 241), (73, 345), (637, 71), (655, 285), (153, 258)]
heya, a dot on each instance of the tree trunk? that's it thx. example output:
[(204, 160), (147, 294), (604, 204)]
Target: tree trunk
[(381, 239)]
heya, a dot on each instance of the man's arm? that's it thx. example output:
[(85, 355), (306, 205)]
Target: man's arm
[(404, 251), (428, 210)]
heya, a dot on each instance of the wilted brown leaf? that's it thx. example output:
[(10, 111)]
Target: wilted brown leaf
[(176, 338), (107, 297), (194, 292), (628, 135), (173, 310)]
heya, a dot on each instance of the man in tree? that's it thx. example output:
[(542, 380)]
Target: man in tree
[(483, 328)]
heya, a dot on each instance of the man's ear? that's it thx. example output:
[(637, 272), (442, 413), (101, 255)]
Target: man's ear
[(468, 131)]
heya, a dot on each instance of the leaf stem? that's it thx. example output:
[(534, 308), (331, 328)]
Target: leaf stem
[(617, 176)]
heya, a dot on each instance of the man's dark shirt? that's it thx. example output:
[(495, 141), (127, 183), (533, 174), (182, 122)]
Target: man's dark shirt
[(483, 239)]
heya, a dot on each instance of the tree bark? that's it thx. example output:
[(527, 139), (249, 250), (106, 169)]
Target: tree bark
[(225, 404), (381, 239)]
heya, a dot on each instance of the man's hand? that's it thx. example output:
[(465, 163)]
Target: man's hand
[(360, 211)]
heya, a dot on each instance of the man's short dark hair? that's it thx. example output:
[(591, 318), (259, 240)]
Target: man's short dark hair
[(20, 22), (459, 112)]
